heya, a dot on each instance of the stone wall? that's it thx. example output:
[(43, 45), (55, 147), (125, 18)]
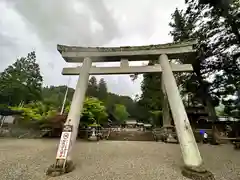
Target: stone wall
[(19, 132)]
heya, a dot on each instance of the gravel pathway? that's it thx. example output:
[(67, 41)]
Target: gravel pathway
[(111, 160)]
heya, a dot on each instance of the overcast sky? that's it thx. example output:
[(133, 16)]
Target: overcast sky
[(27, 25)]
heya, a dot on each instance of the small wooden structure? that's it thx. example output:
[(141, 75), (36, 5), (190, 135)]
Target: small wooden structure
[(131, 123), (7, 116), (53, 126)]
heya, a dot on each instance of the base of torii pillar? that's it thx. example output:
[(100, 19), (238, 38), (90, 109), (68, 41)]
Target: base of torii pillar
[(193, 164), (64, 163), (197, 173)]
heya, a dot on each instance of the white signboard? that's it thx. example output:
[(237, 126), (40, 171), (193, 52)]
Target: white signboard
[(64, 145)]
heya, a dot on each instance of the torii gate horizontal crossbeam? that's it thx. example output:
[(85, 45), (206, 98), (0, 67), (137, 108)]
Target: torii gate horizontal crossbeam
[(76, 54), (127, 69)]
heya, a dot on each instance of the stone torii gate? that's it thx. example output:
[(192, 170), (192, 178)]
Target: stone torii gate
[(193, 163)]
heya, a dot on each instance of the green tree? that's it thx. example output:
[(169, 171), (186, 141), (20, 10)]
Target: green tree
[(216, 40), (92, 90), (184, 29), (35, 111), (156, 118), (131, 106), (228, 9), (232, 106), (218, 32), (151, 97), (102, 90), (53, 96), (93, 111), (120, 112), (21, 81)]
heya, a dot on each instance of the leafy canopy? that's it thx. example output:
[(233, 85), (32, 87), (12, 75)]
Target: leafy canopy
[(21, 81)]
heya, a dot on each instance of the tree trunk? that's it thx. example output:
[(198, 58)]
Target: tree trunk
[(206, 100), (213, 117), (232, 21)]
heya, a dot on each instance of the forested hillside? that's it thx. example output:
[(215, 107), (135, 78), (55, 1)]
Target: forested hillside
[(21, 88)]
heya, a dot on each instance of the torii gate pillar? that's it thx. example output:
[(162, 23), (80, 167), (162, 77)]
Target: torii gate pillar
[(74, 114), (166, 116), (64, 162), (191, 156)]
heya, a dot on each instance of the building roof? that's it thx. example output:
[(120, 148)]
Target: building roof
[(9, 112), (147, 125), (131, 122)]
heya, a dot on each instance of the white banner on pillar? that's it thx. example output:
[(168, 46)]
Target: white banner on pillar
[(64, 145)]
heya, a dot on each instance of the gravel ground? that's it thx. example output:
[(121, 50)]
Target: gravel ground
[(112, 160)]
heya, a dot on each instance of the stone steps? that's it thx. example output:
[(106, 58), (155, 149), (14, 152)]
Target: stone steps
[(131, 136)]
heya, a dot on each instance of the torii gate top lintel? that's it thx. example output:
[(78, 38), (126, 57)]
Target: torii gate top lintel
[(76, 54)]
